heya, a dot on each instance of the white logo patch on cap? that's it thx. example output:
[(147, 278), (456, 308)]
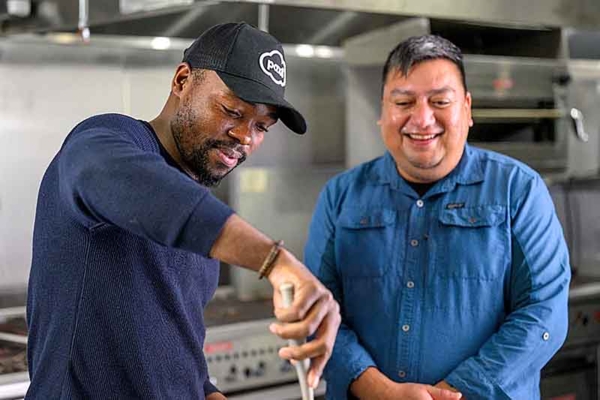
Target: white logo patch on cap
[(273, 64)]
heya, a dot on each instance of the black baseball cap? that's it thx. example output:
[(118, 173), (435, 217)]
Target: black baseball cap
[(250, 62)]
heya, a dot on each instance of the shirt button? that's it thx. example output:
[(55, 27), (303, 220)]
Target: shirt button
[(410, 284), (414, 243), (420, 203), (401, 374), (405, 328), (546, 336)]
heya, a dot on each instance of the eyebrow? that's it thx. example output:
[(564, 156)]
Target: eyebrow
[(404, 92), (273, 115)]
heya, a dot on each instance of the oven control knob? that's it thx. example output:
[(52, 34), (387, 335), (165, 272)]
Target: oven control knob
[(562, 80), (260, 371), (585, 320), (285, 367)]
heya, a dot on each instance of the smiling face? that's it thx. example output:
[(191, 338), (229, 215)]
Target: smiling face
[(425, 119), (214, 130)]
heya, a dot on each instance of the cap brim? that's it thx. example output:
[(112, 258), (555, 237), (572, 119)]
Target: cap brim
[(254, 92)]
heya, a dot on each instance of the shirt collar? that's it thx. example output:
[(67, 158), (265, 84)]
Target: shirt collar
[(468, 171)]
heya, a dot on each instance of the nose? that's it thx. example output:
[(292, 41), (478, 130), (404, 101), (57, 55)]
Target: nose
[(422, 116), (242, 134)]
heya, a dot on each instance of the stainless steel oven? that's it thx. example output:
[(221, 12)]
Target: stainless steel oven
[(520, 108), (573, 373), (540, 111), (240, 351), (14, 379)]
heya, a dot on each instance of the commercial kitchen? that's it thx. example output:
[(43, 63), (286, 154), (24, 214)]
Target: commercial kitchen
[(533, 68)]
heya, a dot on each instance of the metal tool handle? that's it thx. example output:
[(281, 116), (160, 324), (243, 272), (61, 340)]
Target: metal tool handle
[(577, 117), (287, 295)]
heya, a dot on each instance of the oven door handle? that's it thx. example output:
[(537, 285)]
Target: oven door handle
[(577, 118)]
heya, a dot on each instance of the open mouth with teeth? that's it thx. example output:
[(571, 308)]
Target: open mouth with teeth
[(229, 157), (423, 138)]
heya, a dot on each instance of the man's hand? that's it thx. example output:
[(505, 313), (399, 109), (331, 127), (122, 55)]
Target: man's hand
[(444, 385), (314, 311), (417, 391), (373, 385), (216, 396)]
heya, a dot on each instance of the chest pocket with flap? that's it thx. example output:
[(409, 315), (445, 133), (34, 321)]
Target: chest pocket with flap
[(365, 242), (472, 242)]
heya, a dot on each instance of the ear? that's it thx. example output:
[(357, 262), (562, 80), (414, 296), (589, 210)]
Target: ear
[(181, 78), (468, 102), (380, 113)]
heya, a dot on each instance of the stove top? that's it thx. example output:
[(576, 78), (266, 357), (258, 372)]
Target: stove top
[(579, 280), (13, 355), (229, 310), (222, 310), (584, 289), (225, 309)]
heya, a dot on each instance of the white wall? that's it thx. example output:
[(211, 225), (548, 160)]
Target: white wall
[(46, 88), (41, 99)]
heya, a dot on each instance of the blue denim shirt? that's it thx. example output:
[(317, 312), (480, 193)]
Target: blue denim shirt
[(467, 284)]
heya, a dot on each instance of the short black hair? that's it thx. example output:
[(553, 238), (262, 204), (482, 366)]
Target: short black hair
[(417, 49), (199, 75)]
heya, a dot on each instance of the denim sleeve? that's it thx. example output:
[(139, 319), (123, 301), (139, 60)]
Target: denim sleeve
[(349, 359), (536, 323)]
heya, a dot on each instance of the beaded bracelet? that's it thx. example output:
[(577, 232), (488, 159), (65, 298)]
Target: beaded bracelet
[(269, 262)]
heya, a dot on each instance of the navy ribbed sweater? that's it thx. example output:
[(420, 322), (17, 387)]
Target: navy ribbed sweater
[(120, 273)]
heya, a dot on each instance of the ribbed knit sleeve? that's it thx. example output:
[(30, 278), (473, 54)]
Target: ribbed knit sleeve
[(105, 176), (209, 388)]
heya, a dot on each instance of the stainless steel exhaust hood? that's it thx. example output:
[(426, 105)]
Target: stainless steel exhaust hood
[(326, 22)]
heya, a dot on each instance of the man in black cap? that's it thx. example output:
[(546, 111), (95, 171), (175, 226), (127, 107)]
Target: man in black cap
[(127, 235)]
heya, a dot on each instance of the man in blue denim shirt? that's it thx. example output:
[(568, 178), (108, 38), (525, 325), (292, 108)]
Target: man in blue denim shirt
[(448, 261)]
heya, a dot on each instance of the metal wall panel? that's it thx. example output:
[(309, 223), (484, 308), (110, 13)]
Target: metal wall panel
[(280, 202), (316, 87), (47, 88), (584, 94), (38, 109), (45, 91)]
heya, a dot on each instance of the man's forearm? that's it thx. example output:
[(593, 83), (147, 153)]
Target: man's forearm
[(239, 243), (370, 384)]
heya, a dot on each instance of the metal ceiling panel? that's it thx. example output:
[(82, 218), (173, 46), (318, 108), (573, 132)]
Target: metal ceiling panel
[(328, 22), (133, 6)]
